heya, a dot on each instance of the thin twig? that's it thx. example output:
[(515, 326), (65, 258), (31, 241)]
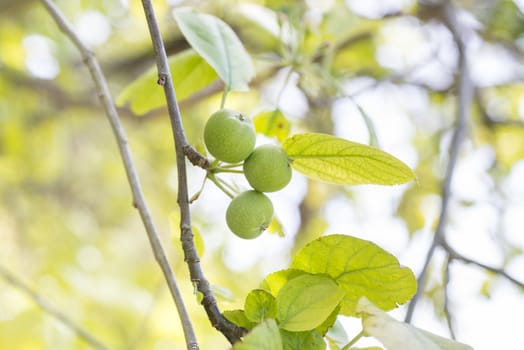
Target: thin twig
[(447, 310), (454, 255), (51, 310), (232, 332), (354, 340), (132, 175), (465, 97)]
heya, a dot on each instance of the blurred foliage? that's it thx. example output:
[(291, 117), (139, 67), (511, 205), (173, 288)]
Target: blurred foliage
[(67, 224)]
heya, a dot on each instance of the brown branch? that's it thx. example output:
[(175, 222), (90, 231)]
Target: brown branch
[(51, 310), (232, 332), (139, 202)]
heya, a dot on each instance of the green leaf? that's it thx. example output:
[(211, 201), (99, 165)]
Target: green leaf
[(332, 344), (396, 335), (306, 301), (359, 267), (190, 73), (275, 281), (310, 340), (239, 318), (335, 160), (260, 305), (276, 227), (272, 124), (265, 336), (218, 44), (329, 321)]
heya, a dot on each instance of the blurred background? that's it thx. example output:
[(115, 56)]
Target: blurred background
[(375, 72)]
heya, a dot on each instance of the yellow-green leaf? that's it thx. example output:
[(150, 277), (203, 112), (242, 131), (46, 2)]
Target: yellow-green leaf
[(190, 73), (239, 318), (265, 336), (260, 305), (272, 124), (339, 161), (276, 280), (359, 267), (310, 340), (276, 227), (306, 301)]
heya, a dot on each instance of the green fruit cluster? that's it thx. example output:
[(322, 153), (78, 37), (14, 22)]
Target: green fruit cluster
[(230, 137)]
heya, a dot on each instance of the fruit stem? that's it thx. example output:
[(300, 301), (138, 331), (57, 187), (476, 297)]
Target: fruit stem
[(220, 184), (228, 186), (229, 166), (226, 170), (353, 341)]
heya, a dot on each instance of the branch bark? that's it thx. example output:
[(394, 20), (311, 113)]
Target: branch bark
[(182, 148), (125, 152)]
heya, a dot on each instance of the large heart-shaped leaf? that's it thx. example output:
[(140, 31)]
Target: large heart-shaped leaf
[(359, 267)]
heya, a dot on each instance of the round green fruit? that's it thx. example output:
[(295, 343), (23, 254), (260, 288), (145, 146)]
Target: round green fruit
[(267, 168), (229, 136), (249, 214)]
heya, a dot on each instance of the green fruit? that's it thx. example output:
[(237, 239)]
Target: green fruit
[(229, 136), (249, 214), (267, 168)]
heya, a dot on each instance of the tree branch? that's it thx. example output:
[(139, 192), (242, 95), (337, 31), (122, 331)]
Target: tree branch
[(465, 97), (51, 310), (454, 255), (132, 175), (447, 310), (467, 93), (232, 332)]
